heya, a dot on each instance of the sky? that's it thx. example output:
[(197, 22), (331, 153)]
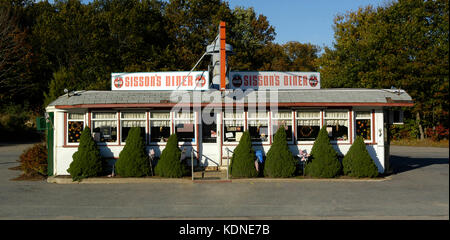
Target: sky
[(305, 21)]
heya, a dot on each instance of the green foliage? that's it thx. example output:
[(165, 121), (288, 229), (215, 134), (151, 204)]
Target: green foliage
[(33, 160), (17, 124), (243, 159), (402, 44), (133, 160), (279, 161), (62, 79), (357, 162), (169, 164), (324, 159), (87, 161)]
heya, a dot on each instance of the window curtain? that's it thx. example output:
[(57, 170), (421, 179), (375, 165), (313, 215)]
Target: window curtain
[(76, 116), (104, 123), (334, 122), (234, 115), (234, 123), (363, 114), (185, 115), (158, 123), (312, 122), (282, 122), (306, 115), (257, 114), (103, 115), (133, 123), (135, 115), (339, 115), (257, 123), (162, 115), (283, 115)]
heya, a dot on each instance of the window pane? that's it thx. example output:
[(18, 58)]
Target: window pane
[(307, 132), (128, 124), (363, 128), (257, 115), (259, 130), (159, 133), (287, 124), (104, 131), (337, 129), (233, 130), (185, 131), (126, 130), (74, 131)]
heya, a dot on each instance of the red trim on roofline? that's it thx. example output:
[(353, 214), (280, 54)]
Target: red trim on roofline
[(298, 104)]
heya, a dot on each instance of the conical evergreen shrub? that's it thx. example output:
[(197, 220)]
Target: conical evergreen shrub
[(279, 161), (133, 160), (357, 162), (169, 164), (324, 159), (243, 159), (87, 161)]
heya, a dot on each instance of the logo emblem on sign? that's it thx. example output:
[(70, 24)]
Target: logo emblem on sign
[(118, 82), (200, 80), (236, 80), (313, 80)]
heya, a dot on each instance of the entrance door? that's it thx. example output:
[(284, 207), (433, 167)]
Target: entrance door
[(209, 140)]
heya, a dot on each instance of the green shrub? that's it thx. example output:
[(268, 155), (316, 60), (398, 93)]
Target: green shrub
[(279, 162), (243, 159), (33, 161), (87, 161), (133, 160), (324, 159), (169, 164), (357, 162)]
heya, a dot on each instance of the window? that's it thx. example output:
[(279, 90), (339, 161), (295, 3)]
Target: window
[(132, 119), (308, 125), (209, 128), (185, 127), (104, 125), (233, 125), (363, 124), (75, 125), (258, 126), (159, 126), (282, 118), (336, 122)]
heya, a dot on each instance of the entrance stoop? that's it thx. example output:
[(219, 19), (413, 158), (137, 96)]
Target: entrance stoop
[(214, 175)]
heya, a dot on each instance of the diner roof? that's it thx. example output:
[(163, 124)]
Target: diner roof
[(286, 98)]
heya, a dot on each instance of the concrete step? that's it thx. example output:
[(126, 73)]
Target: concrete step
[(210, 175)]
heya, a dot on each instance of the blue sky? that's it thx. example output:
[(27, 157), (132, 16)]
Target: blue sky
[(305, 21)]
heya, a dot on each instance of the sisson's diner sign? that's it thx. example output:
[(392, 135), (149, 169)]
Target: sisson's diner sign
[(160, 81), (274, 80)]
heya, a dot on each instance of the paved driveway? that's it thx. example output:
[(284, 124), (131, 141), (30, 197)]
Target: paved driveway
[(418, 189)]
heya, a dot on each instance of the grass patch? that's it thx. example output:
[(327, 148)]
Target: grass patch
[(427, 142)]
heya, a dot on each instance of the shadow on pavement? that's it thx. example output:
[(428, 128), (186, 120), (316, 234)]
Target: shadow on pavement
[(403, 164)]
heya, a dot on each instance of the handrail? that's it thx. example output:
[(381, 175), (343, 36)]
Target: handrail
[(228, 161)]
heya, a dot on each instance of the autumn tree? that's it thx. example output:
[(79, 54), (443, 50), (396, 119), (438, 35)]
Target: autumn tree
[(402, 44)]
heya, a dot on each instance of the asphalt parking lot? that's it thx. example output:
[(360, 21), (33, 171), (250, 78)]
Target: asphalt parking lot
[(418, 188)]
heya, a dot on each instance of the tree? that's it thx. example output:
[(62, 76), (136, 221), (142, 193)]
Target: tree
[(15, 59), (324, 161), (243, 159), (133, 160), (87, 161), (279, 161), (402, 44), (357, 162), (169, 164)]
